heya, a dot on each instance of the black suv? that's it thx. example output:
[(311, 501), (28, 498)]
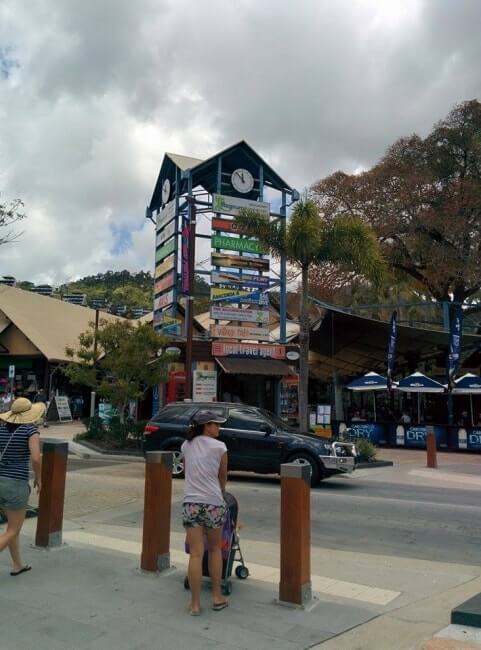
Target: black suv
[(256, 439)]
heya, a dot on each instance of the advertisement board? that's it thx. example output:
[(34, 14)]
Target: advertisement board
[(165, 234), (237, 244), (226, 225), (165, 266), (232, 205), (164, 300), (165, 282), (185, 267), (204, 385), (248, 350), (242, 315), (165, 250), (166, 214), (239, 332), (239, 262), (242, 279)]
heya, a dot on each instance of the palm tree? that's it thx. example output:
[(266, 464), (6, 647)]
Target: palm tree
[(307, 240)]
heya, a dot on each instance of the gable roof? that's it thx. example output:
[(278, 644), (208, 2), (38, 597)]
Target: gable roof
[(50, 324)]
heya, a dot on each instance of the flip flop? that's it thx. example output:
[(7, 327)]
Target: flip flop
[(23, 570), (192, 613), (217, 607)]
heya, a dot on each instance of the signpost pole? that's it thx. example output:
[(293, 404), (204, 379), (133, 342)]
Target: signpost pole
[(189, 315)]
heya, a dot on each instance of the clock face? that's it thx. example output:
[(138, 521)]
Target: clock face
[(165, 191), (242, 180)]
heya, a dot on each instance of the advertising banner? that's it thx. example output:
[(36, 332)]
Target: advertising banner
[(232, 205), (374, 432), (243, 279), (238, 332), (242, 315), (165, 282), (248, 350), (391, 349), (165, 250), (166, 215), (165, 266), (185, 268), (238, 296), (226, 225), (164, 300), (204, 385), (237, 261), (455, 336), (165, 234), (237, 244)]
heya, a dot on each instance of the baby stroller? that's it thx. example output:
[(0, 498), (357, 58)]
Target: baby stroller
[(231, 551)]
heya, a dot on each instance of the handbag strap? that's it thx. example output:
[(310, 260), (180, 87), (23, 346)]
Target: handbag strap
[(6, 446)]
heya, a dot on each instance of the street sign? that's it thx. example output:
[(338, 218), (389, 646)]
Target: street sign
[(232, 205), (238, 296), (237, 244), (237, 332), (166, 265), (165, 250), (241, 315), (226, 225), (165, 282), (165, 234), (11, 372), (240, 262), (164, 300), (166, 215), (243, 279)]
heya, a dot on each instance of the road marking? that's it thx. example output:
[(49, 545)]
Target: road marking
[(445, 476), (320, 584)]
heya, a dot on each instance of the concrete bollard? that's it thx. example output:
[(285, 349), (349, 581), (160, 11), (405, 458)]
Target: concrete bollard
[(157, 511), (431, 448), (295, 581), (52, 495)]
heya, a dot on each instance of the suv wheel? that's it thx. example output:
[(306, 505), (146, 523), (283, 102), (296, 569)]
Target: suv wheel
[(177, 463), (302, 458)]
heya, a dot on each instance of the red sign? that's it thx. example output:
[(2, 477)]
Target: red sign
[(248, 350), (226, 225), (185, 268), (165, 282)]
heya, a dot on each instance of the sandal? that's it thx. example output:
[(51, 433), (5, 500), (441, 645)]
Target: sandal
[(217, 607)]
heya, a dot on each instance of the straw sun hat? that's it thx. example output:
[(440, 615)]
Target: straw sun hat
[(23, 411)]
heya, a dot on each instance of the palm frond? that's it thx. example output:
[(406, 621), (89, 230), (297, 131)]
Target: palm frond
[(270, 233)]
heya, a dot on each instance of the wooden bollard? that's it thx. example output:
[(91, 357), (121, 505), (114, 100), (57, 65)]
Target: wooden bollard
[(52, 495), (295, 583), (157, 510), (431, 448)]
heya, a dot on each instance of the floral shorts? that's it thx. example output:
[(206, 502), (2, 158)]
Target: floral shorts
[(195, 515)]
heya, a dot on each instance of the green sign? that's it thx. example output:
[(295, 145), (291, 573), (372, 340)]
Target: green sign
[(165, 250), (237, 244)]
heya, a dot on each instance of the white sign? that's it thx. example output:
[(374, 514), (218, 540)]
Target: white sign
[(242, 315), (11, 372), (204, 385), (292, 355), (63, 407), (232, 205), (234, 332), (164, 300), (167, 233), (166, 214)]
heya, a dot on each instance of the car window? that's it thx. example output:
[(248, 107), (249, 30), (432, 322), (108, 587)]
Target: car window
[(244, 419), (218, 410), (277, 421), (174, 414)]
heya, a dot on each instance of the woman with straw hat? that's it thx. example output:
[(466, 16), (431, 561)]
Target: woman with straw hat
[(19, 442)]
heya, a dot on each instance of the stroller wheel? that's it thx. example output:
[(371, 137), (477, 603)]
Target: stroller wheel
[(242, 572), (227, 588), (186, 583)]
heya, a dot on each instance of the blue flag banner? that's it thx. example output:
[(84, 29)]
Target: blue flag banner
[(455, 336), (391, 348)]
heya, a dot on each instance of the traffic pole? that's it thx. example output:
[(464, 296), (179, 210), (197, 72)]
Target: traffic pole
[(157, 511), (52, 495), (295, 580)]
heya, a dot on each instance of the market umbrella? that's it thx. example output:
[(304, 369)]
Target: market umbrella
[(419, 383), (468, 384), (371, 381)]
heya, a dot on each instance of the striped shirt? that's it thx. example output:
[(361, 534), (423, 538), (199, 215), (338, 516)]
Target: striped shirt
[(15, 462)]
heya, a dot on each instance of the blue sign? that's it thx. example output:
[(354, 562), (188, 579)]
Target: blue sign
[(455, 343), (415, 436), (474, 439), (371, 431), (391, 349)]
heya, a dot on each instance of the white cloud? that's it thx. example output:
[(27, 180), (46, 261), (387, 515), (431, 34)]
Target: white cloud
[(102, 90)]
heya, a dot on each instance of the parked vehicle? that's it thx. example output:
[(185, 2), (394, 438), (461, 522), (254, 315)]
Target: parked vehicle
[(256, 439)]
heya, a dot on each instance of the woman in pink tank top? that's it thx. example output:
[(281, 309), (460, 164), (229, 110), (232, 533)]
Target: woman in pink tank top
[(205, 466)]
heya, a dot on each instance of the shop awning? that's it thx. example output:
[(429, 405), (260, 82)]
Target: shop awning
[(270, 367)]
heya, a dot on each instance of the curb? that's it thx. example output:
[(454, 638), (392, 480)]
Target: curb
[(85, 447), (374, 464)]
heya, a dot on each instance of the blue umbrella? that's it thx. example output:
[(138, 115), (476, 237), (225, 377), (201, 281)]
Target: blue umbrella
[(468, 384), (419, 383), (370, 381)]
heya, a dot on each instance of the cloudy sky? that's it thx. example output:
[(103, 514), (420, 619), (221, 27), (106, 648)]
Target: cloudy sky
[(93, 93)]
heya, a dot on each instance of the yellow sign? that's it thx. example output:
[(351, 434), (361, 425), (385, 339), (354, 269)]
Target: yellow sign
[(216, 292), (164, 266)]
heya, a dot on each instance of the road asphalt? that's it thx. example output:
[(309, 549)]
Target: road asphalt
[(90, 593)]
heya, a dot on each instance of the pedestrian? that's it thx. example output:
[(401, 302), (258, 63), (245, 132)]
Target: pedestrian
[(405, 418), (19, 442), (204, 509), (41, 397)]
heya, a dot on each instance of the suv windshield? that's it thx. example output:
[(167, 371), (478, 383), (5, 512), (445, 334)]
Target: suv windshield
[(277, 421)]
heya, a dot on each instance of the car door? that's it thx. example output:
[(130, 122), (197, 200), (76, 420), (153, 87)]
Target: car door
[(257, 448)]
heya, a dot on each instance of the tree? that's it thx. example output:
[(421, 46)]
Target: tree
[(120, 361), (423, 199), (309, 240), (10, 213)]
